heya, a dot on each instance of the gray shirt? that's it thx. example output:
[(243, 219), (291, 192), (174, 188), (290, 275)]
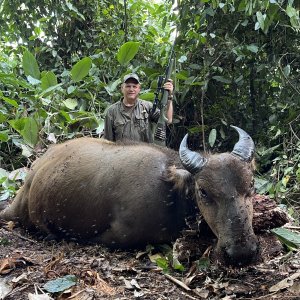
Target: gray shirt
[(132, 123)]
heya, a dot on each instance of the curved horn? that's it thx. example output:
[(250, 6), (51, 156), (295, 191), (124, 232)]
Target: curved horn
[(192, 161), (244, 148)]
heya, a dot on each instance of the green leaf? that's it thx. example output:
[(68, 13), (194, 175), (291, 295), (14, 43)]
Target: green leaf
[(4, 136), (127, 52), (70, 103), (30, 65), (48, 80), (11, 101), (81, 69), (163, 263), (203, 263), (253, 48), (65, 115), (18, 124), (30, 132), (221, 79), (3, 118), (33, 80), (260, 19), (50, 89), (3, 173), (212, 137), (147, 96), (291, 11), (287, 237), (71, 89), (182, 75), (28, 129), (287, 70), (60, 284)]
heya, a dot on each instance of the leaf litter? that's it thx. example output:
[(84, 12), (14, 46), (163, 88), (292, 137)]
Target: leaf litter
[(28, 265)]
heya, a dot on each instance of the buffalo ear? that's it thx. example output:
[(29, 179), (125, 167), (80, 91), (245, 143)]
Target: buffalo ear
[(181, 179), (244, 148), (192, 161)]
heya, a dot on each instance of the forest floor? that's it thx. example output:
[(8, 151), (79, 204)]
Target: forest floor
[(27, 263)]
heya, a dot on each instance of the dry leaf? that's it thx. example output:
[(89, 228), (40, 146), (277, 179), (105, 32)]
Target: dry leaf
[(285, 283), (20, 279), (39, 297), (10, 225), (4, 288), (7, 265), (295, 288)]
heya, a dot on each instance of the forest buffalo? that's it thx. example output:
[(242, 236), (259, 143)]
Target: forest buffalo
[(127, 196)]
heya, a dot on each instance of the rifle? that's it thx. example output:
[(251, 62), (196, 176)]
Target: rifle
[(160, 131)]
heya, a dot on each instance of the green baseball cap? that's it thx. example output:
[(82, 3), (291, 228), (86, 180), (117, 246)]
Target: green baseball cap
[(131, 76)]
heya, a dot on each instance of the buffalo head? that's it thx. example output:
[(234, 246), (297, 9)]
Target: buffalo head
[(223, 189)]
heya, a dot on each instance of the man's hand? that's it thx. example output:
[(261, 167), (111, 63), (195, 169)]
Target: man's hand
[(169, 86)]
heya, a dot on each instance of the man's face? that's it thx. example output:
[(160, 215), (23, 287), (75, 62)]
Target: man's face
[(131, 89)]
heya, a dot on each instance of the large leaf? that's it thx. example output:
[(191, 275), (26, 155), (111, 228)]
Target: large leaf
[(221, 79), (287, 237), (60, 284), (48, 80), (212, 137), (30, 132), (81, 69), (28, 129), (147, 96), (11, 101), (30, 65), (70, 103), (4, 136), (127, 52)]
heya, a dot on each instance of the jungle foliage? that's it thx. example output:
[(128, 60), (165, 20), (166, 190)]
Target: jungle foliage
[(237, 62)]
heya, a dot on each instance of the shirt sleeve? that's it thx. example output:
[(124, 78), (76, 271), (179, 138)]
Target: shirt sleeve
[(108, 126)]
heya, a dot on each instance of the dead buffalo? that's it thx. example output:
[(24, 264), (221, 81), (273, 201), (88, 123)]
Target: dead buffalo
[(126, 196)]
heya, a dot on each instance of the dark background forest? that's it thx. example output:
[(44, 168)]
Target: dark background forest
[(236, 62)]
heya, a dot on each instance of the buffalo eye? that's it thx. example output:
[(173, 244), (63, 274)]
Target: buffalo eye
[(202, 193)]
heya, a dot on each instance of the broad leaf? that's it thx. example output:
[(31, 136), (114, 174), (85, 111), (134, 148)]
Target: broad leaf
[(212, 137), (30, 132), (60, 284), (147, 96), (30, 65), (11, 102), (287, 237), (18, 125), (253, 48), (70, 103), (81, 69), (221, 79), (48, 80), (127, 52), (4, 136), (28, 129)]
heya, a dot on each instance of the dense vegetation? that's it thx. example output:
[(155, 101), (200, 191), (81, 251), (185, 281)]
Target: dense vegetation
[(237, 62)]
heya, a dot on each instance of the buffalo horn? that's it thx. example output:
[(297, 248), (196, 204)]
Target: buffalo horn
[(192, 161), (244, 148)]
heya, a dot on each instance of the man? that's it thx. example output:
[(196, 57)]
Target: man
[(131, 118)]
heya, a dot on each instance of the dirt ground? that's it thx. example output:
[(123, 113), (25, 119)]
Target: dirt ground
[(27, 263)]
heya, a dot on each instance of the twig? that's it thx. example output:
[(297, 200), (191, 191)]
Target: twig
[(292, 227), (178, 282), (16, 290), (20, 236), (268, 297), (182, 285)]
